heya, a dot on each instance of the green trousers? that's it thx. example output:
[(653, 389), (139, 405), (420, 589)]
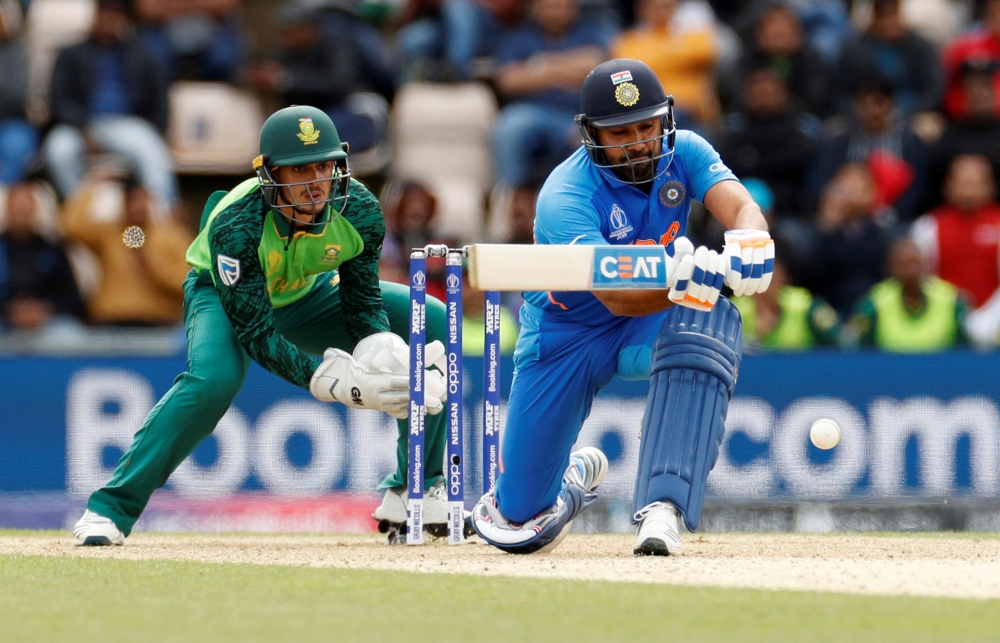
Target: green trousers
[(216, 368)]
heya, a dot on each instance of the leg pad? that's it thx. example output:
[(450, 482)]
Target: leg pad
[(695, 365)]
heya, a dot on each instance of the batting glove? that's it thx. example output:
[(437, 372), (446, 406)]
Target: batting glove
[(696, 276), (749, 257)]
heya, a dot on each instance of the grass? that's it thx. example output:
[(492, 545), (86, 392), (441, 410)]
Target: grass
[(81, 599)]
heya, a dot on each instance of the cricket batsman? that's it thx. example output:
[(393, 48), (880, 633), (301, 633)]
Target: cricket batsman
[(284, 268), (632, 182)]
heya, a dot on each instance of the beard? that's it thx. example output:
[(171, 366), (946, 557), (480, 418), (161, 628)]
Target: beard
[(637, 168)]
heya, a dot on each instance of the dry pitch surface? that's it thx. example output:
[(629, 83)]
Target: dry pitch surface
[(966, 566)]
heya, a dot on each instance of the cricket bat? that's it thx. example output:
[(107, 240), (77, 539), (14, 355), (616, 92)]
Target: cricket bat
[(567, 268)]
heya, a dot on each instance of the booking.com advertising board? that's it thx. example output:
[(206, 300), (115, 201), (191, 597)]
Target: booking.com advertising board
[(923, 426)]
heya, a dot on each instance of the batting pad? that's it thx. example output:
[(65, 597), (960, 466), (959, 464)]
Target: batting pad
[(695, 364)]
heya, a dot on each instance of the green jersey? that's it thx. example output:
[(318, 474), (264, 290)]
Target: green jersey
[(883, 319), (244, 246)]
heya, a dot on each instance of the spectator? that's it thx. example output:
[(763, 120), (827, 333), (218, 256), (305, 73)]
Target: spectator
[(522, 213), (977, 133), (37, 289), (440, 39), (910, 312), (193, 39), (779, 43), (681, 59), (410, 210), (769, 141), (340, 21), (109, 94), (961, 241), (979, 49), (875, 134), (141, 286), (18, 139), (310, 69), (907, 60), (787, 318), (474, 324), (848, 256), (542, 68)]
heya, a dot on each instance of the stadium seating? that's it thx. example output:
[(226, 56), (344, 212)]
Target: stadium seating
[(213, 128), (441, 136), (51, 25)]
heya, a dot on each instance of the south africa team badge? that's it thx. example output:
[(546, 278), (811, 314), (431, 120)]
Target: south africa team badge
[(672, 194), (308, 133)]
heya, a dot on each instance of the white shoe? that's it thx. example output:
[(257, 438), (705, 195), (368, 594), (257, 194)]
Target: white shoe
[(659, 533), (392, 512), (94, 529), (587, 467)]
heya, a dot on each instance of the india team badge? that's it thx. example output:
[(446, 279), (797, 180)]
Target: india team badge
[(627, 94), (308, 133), (229, 270), (672, 194)]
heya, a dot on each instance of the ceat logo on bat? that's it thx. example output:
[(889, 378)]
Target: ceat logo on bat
[(629, 267)]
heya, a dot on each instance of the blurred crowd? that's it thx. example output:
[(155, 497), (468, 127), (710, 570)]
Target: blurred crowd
[(867, 130)]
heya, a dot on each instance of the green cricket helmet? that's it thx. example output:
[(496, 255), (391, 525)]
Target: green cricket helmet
[(301, 135)]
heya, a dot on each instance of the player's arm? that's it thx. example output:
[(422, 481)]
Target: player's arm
[(749, 250), (360, 292), (234, 237), (731, 204), (634, 303)]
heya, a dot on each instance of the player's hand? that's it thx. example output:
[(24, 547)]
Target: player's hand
[(341, 379), (388, 353), (696, 276), (749, 257)]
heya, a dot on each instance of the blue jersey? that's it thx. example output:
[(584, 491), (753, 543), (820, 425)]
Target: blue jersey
[(579, 204)]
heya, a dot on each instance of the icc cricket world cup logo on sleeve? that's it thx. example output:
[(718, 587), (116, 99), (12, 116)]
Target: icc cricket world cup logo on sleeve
[(308, 133)]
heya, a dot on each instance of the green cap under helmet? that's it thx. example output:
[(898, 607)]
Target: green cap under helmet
[(299, 135)]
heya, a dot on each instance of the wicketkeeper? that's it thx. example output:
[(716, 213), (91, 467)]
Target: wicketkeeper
[(285, 268)]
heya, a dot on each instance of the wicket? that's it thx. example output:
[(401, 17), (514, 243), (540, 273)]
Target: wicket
[(455, 468)]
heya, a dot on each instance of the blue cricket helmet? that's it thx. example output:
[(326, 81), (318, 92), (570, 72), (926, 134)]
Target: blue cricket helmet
[(623, 92)]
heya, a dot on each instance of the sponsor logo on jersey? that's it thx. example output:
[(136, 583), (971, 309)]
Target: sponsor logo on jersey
[(621, 77), (629, 267), (308, 133), (620, 226), (229, 270), (627, 94), (672, 194)]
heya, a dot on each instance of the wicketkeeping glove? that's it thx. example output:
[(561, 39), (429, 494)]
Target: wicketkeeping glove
[(696, 276), (749, 257), (386, 354), (341, 379)]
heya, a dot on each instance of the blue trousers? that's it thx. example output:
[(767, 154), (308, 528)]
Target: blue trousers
[(559, 370)]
